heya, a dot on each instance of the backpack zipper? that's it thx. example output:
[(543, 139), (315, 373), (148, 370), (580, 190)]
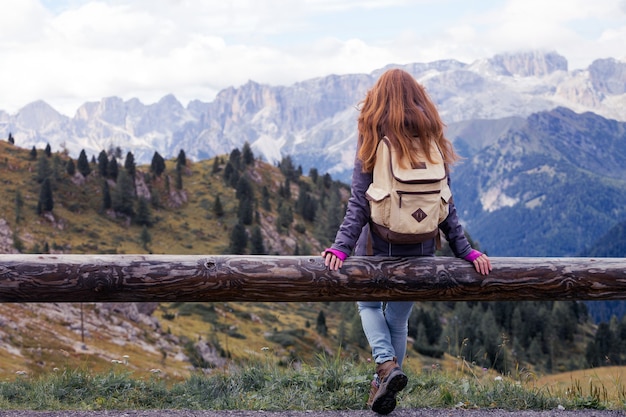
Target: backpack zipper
[(401, 193)]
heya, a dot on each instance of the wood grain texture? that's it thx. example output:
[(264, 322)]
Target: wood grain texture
[(165, 278)]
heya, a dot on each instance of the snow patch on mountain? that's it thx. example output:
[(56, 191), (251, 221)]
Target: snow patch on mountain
[(269, 147), (494, 199)]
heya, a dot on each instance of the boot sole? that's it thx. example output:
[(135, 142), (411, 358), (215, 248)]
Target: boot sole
[(385, 400)]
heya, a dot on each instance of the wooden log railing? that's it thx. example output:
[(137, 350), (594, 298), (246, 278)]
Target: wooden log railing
[(163, 278)]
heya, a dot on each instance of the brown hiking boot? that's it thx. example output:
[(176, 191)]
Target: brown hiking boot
[(373, 391), (389, 382)]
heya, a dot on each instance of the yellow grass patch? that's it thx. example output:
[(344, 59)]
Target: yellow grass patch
[(607, 383)]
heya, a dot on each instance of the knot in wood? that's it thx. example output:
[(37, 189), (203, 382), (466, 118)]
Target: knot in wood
[(95, 283), (381, 280), (444, 279)]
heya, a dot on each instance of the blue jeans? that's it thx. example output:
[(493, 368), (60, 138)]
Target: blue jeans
[(386, 329), (386, 326)]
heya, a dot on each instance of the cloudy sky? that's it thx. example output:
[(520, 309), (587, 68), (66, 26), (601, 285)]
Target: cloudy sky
[(67, 52)]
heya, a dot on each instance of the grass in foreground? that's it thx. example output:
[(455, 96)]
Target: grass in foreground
[(332, 384)]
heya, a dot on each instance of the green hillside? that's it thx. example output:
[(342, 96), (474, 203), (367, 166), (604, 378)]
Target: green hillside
[(180, 207)]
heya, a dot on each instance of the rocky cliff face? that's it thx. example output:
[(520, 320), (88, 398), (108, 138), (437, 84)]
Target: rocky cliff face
[(528, 64), (607, 76)]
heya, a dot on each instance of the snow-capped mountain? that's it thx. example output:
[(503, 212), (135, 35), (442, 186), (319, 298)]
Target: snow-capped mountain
[(314, 121)]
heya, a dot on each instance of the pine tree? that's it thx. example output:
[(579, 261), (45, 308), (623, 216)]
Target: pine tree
[(356, 334), (143, 216), (157, 166), (19, 204), (421, 337), (287, 168), (248, 156), (115, 152), (83, 164), (70, 167), (314, 175), (334, 214), (216, 165), (129, 165), (561, 319), (58, 166), (11, 140), (103, 164), (106, 196), (48, 150), (145, 238), (43, 168), (285, 215), (607, 345), (235, 159), (320, 325), (229, 172), (46, 202), (592, 355), (18, 244), (327, 180), (245, 211), (285, 189), (490, 338), (238, 240), (181, 160), (33, 154), (179, 177), (244, 189), (306, 205), (257, 247), (265, 199), (123, 195), (113, 169), (218, 209)]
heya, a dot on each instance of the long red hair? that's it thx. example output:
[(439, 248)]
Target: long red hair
[(398, 107)]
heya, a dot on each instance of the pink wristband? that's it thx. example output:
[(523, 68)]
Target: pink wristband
[(339, 254), (473, 255)]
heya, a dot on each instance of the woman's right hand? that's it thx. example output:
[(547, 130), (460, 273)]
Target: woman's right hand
[(332, 261)]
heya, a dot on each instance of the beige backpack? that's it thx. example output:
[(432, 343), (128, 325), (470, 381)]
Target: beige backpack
[(407, 204)]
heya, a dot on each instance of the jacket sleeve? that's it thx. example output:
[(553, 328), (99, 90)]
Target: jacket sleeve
[(454, 233), (357, 213)]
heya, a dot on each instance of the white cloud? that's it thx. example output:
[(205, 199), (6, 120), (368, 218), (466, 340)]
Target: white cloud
[(22, 21), (82, 50), (569, 27)]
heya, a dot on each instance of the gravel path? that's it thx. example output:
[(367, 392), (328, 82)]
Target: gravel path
[(361, 413)]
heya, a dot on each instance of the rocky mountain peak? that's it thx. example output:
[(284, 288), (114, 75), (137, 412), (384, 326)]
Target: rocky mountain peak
[(170, 102), (38, 115), (608, 75), (528, 64)]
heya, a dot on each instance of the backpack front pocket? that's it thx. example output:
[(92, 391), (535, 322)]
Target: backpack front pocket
[(417, 210), (444, 209), (380, 205)]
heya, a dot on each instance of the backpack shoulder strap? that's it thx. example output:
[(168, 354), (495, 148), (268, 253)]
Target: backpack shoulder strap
[(382, 167)]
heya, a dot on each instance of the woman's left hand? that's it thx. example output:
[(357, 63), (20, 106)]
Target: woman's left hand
[(482, 264)]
